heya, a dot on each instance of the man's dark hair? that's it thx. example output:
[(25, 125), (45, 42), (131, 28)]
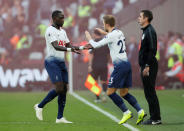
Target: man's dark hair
[(148, 14), (55, 13), (109, 19)]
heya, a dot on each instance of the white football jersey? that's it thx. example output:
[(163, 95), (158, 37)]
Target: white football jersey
[(116, 44), (52, 34)]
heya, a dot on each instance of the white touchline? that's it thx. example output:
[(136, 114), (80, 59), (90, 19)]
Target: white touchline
[(102, 111)]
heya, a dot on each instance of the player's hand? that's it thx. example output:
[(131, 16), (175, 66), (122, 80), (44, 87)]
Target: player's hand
[(77, 47), (88, 46), (88, 36), (146, 71), (75, 51), (101, 31)]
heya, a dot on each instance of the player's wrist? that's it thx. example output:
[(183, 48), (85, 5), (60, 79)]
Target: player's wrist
[(81, 47), (69, 49), (76, 48)]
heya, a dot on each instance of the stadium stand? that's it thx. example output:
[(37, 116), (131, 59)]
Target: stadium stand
[(23, 24)]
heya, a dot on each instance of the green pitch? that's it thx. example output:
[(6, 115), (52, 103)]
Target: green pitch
[(17, 113)]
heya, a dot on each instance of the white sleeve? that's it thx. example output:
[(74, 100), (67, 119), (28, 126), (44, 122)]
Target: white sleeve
[(100, 43), (50, 37)]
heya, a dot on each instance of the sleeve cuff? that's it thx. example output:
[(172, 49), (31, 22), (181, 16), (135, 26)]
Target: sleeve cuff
[(93, 43)]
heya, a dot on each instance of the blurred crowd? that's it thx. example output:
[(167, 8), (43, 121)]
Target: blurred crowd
[(23, 24)]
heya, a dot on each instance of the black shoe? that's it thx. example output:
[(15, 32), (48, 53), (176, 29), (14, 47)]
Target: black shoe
[(152, 122)]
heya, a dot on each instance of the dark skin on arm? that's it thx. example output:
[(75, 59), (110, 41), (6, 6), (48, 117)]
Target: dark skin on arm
[(69, 45), (61, 48)]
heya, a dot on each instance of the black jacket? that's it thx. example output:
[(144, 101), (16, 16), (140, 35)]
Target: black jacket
[(148, 48)]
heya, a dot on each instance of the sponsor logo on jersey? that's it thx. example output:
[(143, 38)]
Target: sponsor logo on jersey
[(62, 43)]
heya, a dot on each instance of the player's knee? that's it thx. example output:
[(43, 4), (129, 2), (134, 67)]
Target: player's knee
[(109, 92), (65, 87), (61, 88), (123, 93)]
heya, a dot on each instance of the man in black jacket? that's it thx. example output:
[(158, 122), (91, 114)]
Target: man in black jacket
[(149, 65)]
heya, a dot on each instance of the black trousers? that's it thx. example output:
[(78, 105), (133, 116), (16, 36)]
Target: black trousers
[(150, 92)]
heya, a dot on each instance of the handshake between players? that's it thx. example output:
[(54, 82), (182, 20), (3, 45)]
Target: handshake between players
[(88, 46)]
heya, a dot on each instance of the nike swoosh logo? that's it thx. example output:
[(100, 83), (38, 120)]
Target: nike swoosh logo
[(154, 123)]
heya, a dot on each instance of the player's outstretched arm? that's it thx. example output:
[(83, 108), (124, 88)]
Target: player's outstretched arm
[(88, 36), (61, 48), (57, 47), (74, 48), (93, 44), (71, 46)]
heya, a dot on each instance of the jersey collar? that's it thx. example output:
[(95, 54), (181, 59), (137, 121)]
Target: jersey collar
[(113, 29), (144, 28)]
